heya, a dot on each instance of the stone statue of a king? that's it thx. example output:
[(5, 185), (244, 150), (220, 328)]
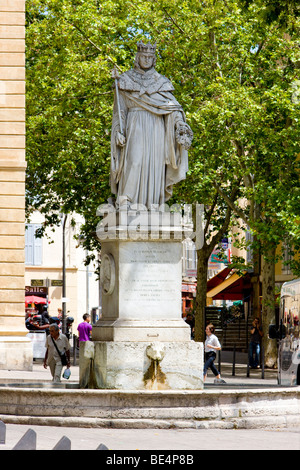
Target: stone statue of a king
[(141, 330), (150, 136)]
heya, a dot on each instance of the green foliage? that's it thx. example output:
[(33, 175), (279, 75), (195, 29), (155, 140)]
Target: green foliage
[(234, 66), (69, 104)]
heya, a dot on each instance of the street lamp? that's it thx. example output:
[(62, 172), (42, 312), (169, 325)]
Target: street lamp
[(64, 316), (81, 240)]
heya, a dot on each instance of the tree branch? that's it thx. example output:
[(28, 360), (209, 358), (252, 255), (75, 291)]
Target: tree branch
[(173, 21), (260, 47), (218, 237), (213, 43), (210, 213), (248, 180), (93, 44), (241, 214)]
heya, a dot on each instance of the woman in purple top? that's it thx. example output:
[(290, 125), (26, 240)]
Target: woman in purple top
[(84, 329)]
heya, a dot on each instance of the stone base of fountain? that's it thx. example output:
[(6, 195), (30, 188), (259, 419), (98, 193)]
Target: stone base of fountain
[(141, 341), (141, 365)]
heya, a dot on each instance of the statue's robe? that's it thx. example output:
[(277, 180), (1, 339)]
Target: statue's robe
[(151, 162)]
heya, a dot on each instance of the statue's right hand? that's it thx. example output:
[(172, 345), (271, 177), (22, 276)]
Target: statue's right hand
[(120, 139)]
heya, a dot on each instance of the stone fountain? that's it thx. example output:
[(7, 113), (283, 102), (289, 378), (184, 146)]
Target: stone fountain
[(141, 340)]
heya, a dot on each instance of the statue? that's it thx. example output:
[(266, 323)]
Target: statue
[(149, 137)]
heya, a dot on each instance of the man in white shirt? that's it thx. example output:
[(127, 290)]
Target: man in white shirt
[(52, 357)]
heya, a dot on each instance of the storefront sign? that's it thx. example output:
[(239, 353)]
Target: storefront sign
[(30, 290), (56, 283), (189, 288), (37, 282), (191, 272)]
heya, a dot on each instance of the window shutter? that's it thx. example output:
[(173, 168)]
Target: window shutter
[(29, 242), (38, 249), (33, 246)]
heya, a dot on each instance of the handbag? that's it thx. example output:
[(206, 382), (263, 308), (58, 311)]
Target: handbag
[(62, 356), (210, 354), (67, 374)]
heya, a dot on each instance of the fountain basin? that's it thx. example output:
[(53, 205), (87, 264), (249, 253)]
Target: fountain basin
[(211, 408)]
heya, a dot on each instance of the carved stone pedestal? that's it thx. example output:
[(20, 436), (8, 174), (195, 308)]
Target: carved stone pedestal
[(141, 365), (141, 298), (141, 341)]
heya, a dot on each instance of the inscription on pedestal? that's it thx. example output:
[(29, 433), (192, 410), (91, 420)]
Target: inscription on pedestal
[(151, 280)]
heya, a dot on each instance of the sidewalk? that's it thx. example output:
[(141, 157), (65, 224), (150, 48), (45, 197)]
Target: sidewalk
[(38, 374), (240, 379), (90, 438), (240, 372)]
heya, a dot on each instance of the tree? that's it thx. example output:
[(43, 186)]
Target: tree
[(238, 69), (72, 47), (267, 146), (234, 71), (217, 224)]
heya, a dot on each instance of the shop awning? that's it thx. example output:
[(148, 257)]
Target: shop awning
[(235, 287), (33, 299), (218, 278)]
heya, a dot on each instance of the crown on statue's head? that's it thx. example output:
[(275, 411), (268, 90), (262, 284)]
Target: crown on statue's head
[(146, 48)]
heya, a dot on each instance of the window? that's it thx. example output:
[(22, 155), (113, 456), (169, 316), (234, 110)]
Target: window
[(189, 259), (249, 241), (287, 258), (33, 246)]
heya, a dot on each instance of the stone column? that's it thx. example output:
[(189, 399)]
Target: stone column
[(15, 347)]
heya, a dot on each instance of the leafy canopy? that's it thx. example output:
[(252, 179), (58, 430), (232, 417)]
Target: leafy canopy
[(234, 65)]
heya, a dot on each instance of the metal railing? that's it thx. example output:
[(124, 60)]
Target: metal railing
[(262, 362)]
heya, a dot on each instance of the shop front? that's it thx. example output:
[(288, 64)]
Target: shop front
[(36, 299)]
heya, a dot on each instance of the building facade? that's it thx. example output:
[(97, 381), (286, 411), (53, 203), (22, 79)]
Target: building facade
[(15, 348), (44, 269)]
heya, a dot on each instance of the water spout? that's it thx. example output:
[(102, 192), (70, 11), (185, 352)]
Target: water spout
[(154, 378)]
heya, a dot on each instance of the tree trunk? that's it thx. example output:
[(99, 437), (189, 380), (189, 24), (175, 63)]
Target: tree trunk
[(203, 254), (255, 280), (268, 305), (200, 303)]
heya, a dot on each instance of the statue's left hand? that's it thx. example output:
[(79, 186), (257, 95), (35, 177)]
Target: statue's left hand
[(184, 134), (120, 139)]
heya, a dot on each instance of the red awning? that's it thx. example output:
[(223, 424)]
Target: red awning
[(218, 279), (236, 287), (34, 299)]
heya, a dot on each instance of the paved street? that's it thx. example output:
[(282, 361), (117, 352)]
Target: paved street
[(159, 439)]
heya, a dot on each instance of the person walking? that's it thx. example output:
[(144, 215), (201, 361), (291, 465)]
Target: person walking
[(84, 329), (211, 345), (57, 352), (254, 344)]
